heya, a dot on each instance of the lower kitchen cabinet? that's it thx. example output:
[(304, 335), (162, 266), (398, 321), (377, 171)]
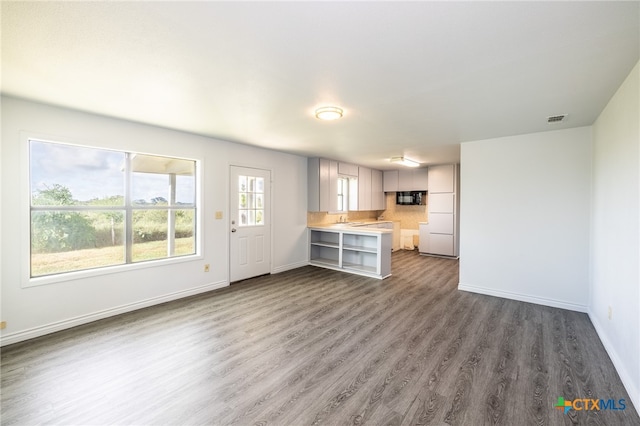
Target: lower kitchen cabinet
[(325, 248), (441, 223), (362, 252), (423, 245), (441, 244)]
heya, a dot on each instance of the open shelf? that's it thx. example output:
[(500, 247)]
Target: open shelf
[(358, 267), (326, 262), (325, 239), (358, 252), (325, 244), (359, 248)]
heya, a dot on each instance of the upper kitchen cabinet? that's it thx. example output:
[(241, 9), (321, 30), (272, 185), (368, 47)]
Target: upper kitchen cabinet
[(406, 180), (347, 169), (370, 193), (378, 200), (322, 182), (332, 186), (442, 178), (364, 188), (390, 181)]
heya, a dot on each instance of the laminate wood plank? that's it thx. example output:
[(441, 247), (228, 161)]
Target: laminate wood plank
[(501, 379), (315, 346), (532, 379), (422, 326), (396, 318), (394, 309), (397, 355), (432, 358), (441, 377)]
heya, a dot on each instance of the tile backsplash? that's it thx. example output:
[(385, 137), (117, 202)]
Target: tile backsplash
[(408, 216), (324, 218)]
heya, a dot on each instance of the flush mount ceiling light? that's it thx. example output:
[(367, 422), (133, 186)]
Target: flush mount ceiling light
[(404, 161), (329, 113)]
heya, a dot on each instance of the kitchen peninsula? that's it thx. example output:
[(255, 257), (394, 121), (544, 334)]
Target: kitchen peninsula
[(358, 248)]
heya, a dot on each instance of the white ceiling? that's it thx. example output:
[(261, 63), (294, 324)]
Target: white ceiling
[(415, 78)]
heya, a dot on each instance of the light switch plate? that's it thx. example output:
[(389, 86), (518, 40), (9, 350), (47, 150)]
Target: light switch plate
[(218, 215)]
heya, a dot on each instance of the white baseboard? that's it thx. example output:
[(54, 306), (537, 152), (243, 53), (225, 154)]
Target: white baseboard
[(627, 380), (289, 267), (524, 298), (19, 336)]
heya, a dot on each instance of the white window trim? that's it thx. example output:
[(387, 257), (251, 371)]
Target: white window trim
[(25, 206)]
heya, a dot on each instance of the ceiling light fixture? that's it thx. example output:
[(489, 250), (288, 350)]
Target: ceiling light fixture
[(329, 113), (405, 161)]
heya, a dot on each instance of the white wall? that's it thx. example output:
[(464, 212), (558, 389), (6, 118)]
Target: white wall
[(615, 241), (524, 217), (38, 310)]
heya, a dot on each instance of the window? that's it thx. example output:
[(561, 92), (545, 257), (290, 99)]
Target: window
[(347, 194), (343, 184), (92, 208), (251, 200)]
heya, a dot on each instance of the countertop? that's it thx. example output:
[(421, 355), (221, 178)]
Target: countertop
[(360, 226)]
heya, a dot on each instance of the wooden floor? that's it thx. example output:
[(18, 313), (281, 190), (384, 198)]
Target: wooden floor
[(313, 346)]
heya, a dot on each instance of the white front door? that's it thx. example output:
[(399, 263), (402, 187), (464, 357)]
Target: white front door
[(250, 216)]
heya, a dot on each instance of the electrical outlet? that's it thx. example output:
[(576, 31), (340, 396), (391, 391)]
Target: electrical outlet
[(610, 312), (3, 325), (207, 267)]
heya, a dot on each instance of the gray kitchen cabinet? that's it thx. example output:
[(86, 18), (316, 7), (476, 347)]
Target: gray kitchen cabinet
[(423, 245), (364, 189), (442, 178), (370, 191), (358, 251), (420, 179), (365, 186), (444, 220), (442, 244), (441, 202), (347, 169), (390, 180), (441, 223), (378, 200), (406, 180), (322, 185)]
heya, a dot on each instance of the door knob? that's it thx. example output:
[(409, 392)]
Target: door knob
[(233, 229)]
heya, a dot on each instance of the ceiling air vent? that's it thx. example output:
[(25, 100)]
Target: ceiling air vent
[(556, 118)]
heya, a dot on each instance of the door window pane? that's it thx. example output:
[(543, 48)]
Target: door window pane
[(251, 201)]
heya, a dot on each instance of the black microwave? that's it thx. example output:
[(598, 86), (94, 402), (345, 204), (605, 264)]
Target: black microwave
[(411, 198)]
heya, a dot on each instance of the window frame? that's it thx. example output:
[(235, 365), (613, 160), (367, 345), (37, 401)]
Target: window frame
[(128, 208)]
